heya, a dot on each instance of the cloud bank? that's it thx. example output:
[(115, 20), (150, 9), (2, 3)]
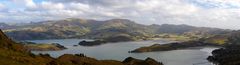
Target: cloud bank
[(207, 13)]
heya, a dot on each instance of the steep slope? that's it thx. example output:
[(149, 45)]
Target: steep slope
[(12, 53), (7, 43)]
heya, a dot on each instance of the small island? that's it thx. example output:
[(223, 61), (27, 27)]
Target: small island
[(214, 41), (91, 43), (43, 46), (120, 38), (172, 46)]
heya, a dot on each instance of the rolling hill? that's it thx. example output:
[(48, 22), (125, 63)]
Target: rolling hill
[(86, 28)]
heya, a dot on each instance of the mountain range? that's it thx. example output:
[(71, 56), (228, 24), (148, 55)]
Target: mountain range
[(92, 29)]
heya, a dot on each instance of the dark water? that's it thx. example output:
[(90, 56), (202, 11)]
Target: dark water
[(119, 51)]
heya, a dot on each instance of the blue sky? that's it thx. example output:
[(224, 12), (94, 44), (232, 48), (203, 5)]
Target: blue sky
[(206, 13)]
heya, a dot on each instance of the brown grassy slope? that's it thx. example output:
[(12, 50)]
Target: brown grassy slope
[(12, 53)]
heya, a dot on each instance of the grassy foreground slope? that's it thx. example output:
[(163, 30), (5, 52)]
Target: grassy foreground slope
[(12, 53)]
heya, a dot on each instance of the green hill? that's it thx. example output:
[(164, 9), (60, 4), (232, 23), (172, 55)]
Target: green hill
[(85, 28)]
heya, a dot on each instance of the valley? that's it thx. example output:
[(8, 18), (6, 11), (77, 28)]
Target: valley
[(74, 36), (119, 32)]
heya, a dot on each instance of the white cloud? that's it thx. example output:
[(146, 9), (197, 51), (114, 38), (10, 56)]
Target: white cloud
[(79, 6), (52, 6), (220, 3), (30, 3), (211, 13), (2, 6)]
